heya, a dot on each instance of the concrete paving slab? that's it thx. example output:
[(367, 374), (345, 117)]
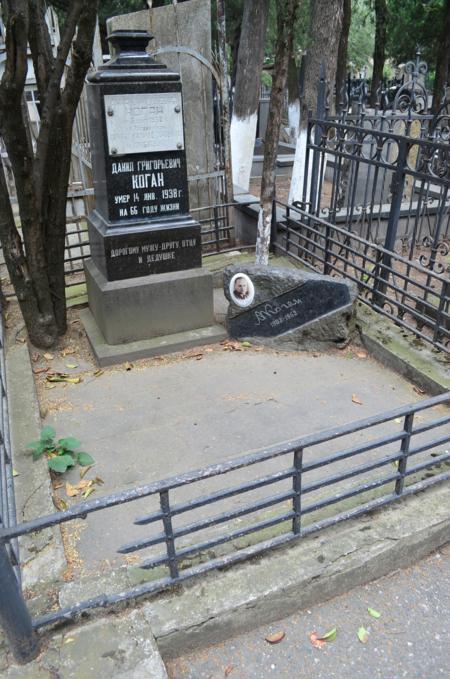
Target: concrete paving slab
[(160, 419), (121, 647)]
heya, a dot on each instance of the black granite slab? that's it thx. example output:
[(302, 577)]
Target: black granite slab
[(135, 250), (291, 310), (147, 186)]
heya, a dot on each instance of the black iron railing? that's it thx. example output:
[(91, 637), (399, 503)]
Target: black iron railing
[(7, 497), (403, 290), (301, 486)]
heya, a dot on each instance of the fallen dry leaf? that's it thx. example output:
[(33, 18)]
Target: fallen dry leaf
[(88, 492), (62, 377), (60, 504), (49, 357), (71, 491), (361, 354), (84, 471), (418, 390), (35, 357), (363, 635), (357, 400), (128, 366), (316, 642), (228, 670), (276, 637), (37, 371)]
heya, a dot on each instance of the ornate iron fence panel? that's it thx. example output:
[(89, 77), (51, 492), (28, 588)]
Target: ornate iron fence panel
[(409, 293), (389, 189)]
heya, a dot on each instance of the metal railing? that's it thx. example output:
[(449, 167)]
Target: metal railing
[(312, 482), (406, 292), (7, 497)]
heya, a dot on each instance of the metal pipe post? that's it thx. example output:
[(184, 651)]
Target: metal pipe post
[(14, 615)]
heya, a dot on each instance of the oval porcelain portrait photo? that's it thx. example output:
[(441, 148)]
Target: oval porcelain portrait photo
[(242, 290)]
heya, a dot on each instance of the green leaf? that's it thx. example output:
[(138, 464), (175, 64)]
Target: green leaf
[(363, 635), (60, 463), (329, 636), (246, 344), (373, 613), (47, 433), (36, 445), (70, 443), (84, 459)]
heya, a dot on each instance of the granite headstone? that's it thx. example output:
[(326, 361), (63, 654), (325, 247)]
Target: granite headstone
[(141, 224), (288, 305)]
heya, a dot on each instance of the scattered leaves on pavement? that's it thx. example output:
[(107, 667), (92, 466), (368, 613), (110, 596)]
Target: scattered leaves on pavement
[(228, 670), (276, 637), (357, 400), (373, 613), (62, 377), (363, 635), (316, 642), (49, 357), (60, 504), (319, 641)]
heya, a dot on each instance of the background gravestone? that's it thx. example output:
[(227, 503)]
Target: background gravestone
[(289, 306), (188, 24)]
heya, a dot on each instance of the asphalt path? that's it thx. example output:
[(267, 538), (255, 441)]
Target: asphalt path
[(410, 639)]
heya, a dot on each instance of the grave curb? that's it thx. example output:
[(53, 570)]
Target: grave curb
[(230, 601), (392, 346)]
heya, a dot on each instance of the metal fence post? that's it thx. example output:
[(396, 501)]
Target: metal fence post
[(398, 182), (14, 615), (407, 427), (168, 530), (297, 488), (318, 134)]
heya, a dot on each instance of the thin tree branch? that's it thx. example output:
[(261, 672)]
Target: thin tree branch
[(40, 47)]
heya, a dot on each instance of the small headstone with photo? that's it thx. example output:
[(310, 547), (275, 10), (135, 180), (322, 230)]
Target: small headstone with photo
[(285, 305)]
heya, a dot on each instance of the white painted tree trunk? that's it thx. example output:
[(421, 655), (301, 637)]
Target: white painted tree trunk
[(243, 135), (294, 118), (263, 237), (298, 170)]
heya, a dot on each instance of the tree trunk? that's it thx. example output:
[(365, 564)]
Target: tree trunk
[(41, 176), (286, 16), (293, 98), (381, 17), (247, 90), (325, 30), (341, 69), (442, 60)]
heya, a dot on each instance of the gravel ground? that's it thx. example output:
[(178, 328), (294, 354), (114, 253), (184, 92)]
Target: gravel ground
[(410, 639)]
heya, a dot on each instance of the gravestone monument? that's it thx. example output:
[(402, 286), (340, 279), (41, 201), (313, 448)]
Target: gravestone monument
[(290, 307), (144, 278)]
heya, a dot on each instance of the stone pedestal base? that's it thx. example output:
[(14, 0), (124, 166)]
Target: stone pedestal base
[(156, 306)]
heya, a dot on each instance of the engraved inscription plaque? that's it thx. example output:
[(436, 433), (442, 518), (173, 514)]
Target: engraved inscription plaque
[(144, 123)]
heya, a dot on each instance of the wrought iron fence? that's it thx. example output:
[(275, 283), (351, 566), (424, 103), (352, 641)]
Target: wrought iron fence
[(302, 486), (408, 293)]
